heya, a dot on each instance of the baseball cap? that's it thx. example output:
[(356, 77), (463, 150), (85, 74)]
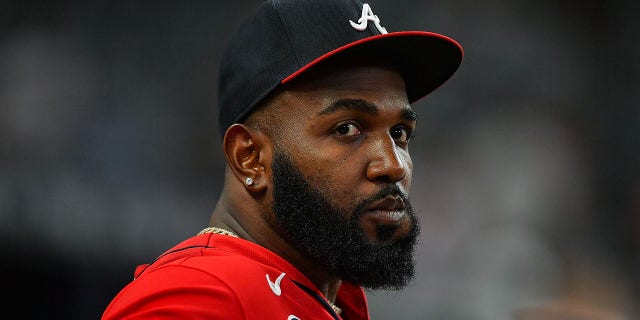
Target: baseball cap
[(285, 38)]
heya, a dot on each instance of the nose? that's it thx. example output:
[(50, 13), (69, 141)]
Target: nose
[(389, 163)]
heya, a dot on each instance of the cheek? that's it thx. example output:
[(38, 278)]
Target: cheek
[(409, 165), (338, 178)]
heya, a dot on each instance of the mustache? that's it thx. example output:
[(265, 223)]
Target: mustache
[(389, 190)]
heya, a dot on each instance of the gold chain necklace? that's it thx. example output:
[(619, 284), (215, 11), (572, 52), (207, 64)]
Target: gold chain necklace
[(335, 308), (226, 232), (217, 230)]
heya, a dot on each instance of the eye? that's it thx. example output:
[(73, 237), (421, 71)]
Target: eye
[(401, 134), (348, 129)]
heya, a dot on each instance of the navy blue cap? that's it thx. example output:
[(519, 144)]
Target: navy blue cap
[(284, 38)]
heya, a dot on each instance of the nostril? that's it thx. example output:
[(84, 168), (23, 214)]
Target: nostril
[(386, 171)]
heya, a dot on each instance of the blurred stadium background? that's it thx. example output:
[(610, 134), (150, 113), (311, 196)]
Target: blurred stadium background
[(527, 180)]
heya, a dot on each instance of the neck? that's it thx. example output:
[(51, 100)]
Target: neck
[(332, 290)]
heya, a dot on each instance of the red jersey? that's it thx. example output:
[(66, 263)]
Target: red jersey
[(214, 276)]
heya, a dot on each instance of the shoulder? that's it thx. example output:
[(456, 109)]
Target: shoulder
[(173, 291), (207, 276), (231, 263), (220, 258)]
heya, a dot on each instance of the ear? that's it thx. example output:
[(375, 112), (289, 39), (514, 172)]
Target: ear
[(243, 147)]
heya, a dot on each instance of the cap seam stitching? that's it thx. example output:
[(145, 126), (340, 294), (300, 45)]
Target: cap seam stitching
[(245, 111), (286, 32)]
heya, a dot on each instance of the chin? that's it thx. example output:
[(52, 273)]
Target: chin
[(387, 231)]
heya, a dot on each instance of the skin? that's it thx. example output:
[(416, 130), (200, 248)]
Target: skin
[(347, 151)]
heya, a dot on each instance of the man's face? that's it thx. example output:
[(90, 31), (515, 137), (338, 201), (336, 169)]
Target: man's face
[(342, 173)]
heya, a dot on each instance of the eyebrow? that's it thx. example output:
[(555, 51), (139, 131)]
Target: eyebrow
[(364, 106)]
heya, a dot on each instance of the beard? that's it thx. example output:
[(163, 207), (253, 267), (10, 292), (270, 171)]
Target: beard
[(333, 238)]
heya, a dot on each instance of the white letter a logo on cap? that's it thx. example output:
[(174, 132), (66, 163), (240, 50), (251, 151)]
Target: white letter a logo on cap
[(367, 15)]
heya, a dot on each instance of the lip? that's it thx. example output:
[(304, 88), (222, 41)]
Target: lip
[(388, 210)]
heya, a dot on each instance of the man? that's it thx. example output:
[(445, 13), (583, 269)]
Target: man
[(316, 121)]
